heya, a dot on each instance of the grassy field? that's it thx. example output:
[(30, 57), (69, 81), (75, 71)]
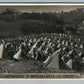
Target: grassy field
[(32, 69), (26, 66)]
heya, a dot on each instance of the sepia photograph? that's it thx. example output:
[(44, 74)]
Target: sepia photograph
[(42, 41)]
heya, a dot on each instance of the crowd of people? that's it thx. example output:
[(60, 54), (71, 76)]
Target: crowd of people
[(40, 47)]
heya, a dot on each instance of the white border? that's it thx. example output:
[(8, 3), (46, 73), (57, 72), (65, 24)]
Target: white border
[(37, 4), (41, 4)]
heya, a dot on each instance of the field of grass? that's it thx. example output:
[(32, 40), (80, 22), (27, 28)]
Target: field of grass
[(26, 66), (32, 69)]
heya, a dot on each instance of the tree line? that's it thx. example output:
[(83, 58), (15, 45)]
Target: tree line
[(44, 22)]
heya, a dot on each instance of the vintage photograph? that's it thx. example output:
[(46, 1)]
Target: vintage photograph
[(42, 41)]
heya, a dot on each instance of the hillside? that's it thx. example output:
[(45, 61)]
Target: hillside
[(13, 28), (16, 24), (9, 29), (23, 27)]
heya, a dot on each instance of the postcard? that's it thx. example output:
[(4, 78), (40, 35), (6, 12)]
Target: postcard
[(42, 40)]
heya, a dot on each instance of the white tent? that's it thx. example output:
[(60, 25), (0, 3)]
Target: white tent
[(1, 50), (52, 61), (3, 53), (18, 55), (33, 47), (46, 61), (81, 46), (70, 63)]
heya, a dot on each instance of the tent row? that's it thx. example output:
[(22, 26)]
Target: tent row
[(54, 61)]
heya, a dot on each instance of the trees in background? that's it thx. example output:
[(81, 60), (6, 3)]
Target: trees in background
[(44, 22)]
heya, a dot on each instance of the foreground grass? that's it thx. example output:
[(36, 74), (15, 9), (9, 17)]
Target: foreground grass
[(26, 66)]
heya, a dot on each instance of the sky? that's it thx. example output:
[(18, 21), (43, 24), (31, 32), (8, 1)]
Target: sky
[(40, 8)]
